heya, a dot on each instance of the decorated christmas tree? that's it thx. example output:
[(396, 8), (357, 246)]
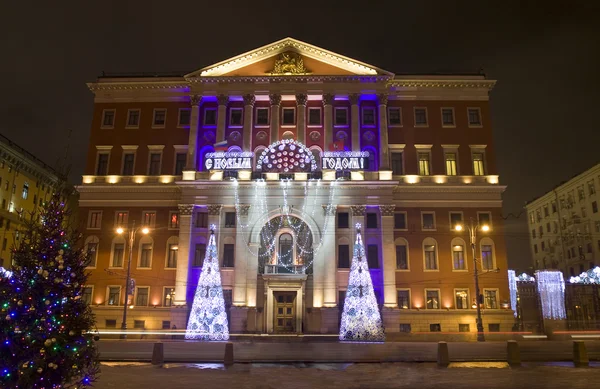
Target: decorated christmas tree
[(44, 323), (208, 319), (361, 320)]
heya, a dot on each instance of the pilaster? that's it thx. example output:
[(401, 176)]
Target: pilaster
[(241, 258), (221, 117), (329, 264), (301, 117), (355, 121), (389, 255), (275, 104), (384, 158), (328, 120), (192, 157), (248, 120), (183, 253)]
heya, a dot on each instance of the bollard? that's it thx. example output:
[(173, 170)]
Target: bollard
[(580, 356), (513, 355), (443, 359), (158, 354), (228, 360)]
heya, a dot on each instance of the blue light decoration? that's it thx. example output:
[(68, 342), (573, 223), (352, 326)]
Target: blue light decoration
[(4, 273), (551, 289), (590, 277), (361, 319), (208, 319)]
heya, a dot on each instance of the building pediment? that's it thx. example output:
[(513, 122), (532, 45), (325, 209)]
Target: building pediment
[(288, 57)]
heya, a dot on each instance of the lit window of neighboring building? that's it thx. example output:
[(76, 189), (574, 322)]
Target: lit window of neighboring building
[(174, 220), (404, 299), (149, 218), (141, 298), (458, 257), (478, 166), (172, 256), (451, 169), (401, 257), (461, 298), (429, 251), (114, 295), (424, 164), (433, 298), (25, 192), (491, 298)]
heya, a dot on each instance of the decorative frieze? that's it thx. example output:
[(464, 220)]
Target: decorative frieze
[(328, 99), (301, 99), (358, 210), (223, 99), (186, 209), (387, 210), (249, 99), (214, 209), (195, 100), (275, 99)]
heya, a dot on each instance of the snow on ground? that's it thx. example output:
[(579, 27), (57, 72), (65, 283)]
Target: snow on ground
[(345, 376)]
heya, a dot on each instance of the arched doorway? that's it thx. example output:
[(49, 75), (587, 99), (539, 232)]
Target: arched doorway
[(285, 246)]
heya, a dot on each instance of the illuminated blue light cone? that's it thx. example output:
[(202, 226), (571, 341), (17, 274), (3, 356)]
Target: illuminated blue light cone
[(208, 319), (361, 320)]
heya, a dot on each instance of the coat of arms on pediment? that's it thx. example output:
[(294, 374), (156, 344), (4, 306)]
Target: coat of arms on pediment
[(289, 63)]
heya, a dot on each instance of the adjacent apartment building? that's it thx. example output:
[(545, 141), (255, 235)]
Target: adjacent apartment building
[(285, 149), (564, 225)]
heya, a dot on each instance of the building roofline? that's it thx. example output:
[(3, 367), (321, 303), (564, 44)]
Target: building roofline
[(31, 157)]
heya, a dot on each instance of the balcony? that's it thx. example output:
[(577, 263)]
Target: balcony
[(281, 269)]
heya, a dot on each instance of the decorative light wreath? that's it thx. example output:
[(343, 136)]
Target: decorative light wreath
[(287, 156)]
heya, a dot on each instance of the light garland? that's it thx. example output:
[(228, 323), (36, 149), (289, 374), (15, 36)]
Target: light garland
[(288, 156), (361, 319), (551, 289), (512, 287), (208, 318), (591, 276)]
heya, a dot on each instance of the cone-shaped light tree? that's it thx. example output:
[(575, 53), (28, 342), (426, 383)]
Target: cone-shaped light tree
[(361, 320), (208, 319)]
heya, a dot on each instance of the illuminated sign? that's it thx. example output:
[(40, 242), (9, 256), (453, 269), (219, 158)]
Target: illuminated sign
[(225, 160), (345, 160)]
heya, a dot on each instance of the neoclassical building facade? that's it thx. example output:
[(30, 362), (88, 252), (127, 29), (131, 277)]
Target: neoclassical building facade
[(285, 149)]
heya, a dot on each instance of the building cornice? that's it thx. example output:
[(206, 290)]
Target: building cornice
[(442, 83), (132, 84)]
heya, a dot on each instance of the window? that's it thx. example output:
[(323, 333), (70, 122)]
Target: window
[(478, 167), (485, 219), (139, 324), (589, 248), (133, 118), (314, 116), (368, 116), (400, 220), (25, 192), (474, 116), (121, 218), (102, 165), (168, 295), (371, 220), (289, 116), (166, 324), (553, 206), (341, 116), (580, 193), (201, 220), (180, 161), (490, 298), (229, 219), (262, 116), (141, 296), (404, 299), (430, 254), (145, 255), (86, 294), (235, 116), (487, 256), (447, 117), (118, 252), (172, 255), (149, 218), (92, 252), (343, 256), (199, 254), (437, 327), (110, 323), (373, 256), (464, 328), (461, 298), (128, 164), (397, 168), (210, 117), (594, 207), (432, 297), (108, 118), (228, 258), (546, 211), (423, 164), (428, 220), (185, 115), (14, 190), (450, 164), (548, 228), (114, 295), (173, 220), (591, 187), (456, 218), (421, 117), (160, 117), (394, 116), (494, 327), (154, 166), (94, 220), (401, 257), (405, 327), (458, 257), (343, 219)]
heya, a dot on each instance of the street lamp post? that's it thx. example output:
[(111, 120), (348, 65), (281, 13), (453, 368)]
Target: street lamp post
[(472, 228), (131, 231)]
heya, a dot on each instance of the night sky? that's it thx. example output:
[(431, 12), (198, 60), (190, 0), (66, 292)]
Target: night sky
[(546, 59)]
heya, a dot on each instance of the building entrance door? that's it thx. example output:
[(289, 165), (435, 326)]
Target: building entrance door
[(285, 312)]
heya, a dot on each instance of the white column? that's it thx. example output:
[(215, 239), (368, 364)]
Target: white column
[(329, 265), (248, 118), (389, 255), (192, 157), (183, 253), (384, 158), (251, 275), (355, 120), (241, 259), (301, 117), (328, 120), (221, 117), (275, 103)]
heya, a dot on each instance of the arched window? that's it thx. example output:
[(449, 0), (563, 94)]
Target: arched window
[(402, 254), (286, 253), (234, 149), (316, 152), (91, 249), (172, 250), (117, 252), (430, 257), (488, 254), (145, 249), (373, 159), (458, 254)]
